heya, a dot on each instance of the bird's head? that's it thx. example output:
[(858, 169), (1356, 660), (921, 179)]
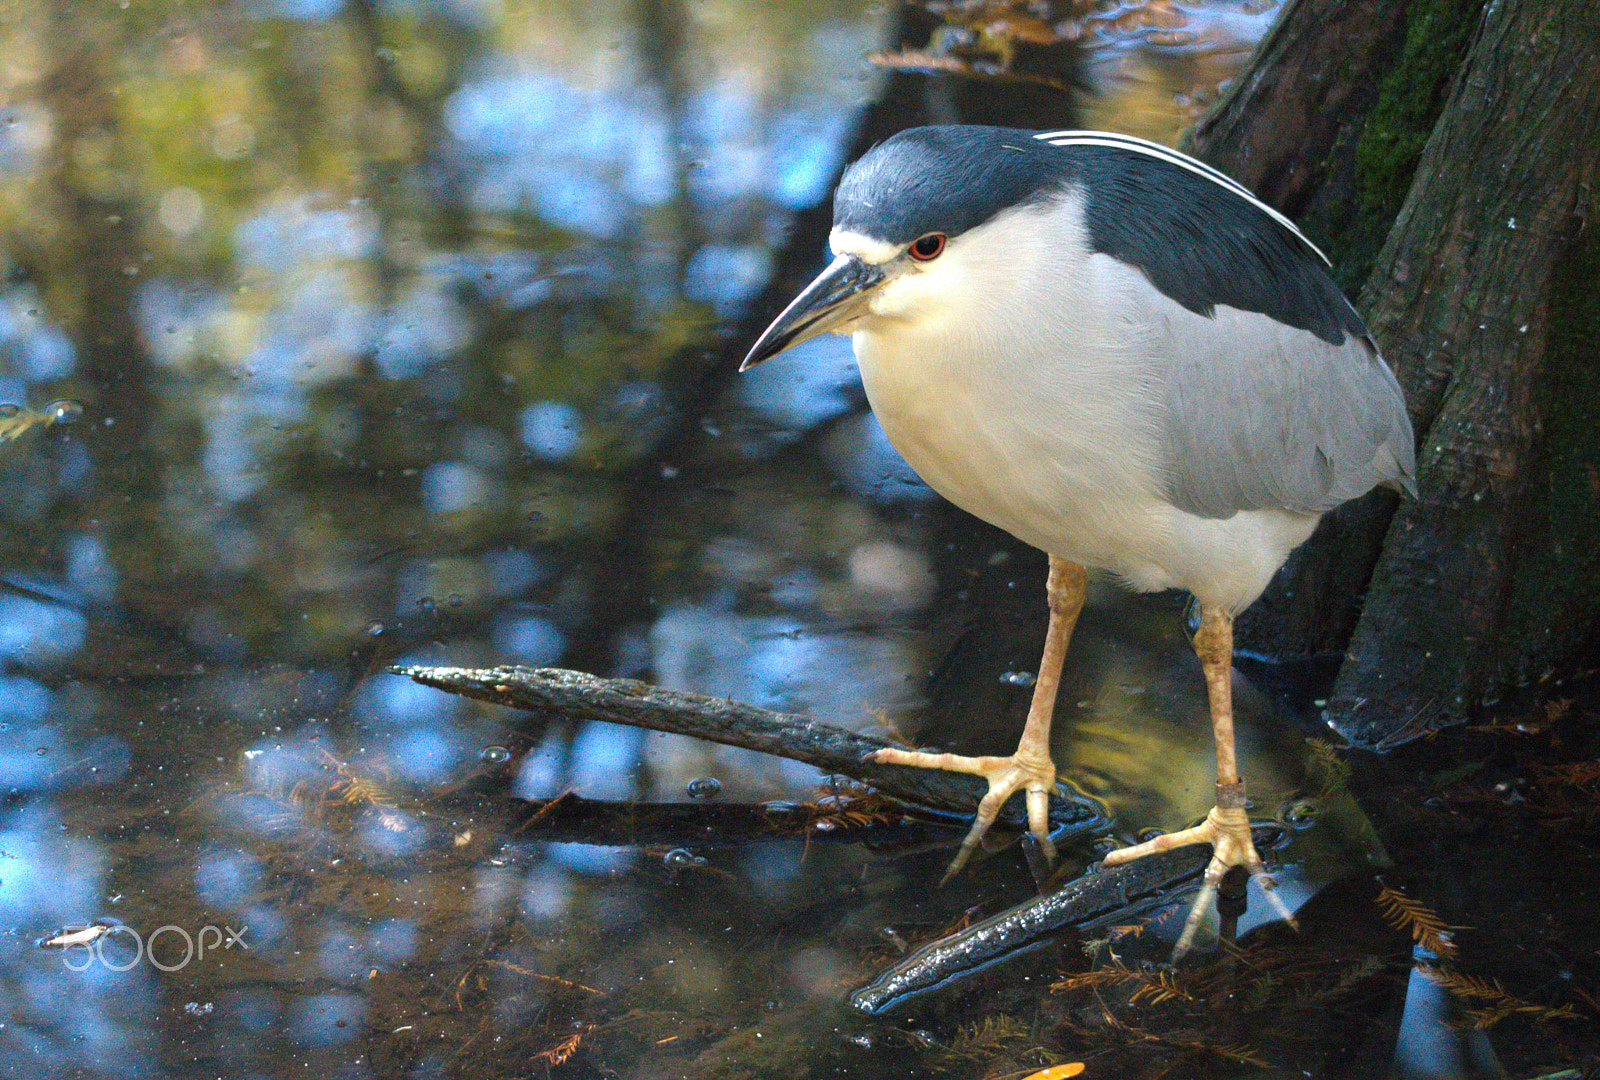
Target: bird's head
[(914, 228), (984, 232)]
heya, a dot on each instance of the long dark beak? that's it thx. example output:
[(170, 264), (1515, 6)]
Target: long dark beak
[(833, 299)]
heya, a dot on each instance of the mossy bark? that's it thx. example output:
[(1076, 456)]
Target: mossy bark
[(1328, 125), (1312, 82), (1484, 121), (1484, 300)]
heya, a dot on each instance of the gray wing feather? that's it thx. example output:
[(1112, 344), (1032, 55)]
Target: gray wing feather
[(1260, 415)]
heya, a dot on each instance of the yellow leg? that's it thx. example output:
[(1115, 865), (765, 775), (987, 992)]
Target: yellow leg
[(1227, 827), (1031, 769)]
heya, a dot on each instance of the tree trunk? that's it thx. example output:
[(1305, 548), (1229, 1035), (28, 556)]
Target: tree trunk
[(1478, 127), (1334, 143), (1484, 300), (1329, 122)]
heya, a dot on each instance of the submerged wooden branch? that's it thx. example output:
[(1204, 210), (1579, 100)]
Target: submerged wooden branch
[(733, 723), (1086, 904)]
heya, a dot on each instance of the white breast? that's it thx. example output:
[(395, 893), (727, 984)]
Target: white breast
[(1048, 428)]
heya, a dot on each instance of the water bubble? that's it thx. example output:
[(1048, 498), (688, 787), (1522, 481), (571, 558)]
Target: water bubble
[(427, 604), (679, 859), (704, 787), (375, 628), (1103, 846), (494, 755), (1145, 835), (1018, 678), (42, 751), (1301, 812)]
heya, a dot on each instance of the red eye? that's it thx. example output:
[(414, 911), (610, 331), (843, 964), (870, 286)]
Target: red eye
[(927, 248)]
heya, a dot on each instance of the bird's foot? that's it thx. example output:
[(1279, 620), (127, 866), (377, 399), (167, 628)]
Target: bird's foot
[(1033, 774), (1227, 829)]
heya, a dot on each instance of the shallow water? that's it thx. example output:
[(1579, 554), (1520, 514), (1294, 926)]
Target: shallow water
[(408, 339)]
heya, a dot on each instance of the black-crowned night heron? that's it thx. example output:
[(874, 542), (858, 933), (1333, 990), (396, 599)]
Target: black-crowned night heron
[(1119, 355)]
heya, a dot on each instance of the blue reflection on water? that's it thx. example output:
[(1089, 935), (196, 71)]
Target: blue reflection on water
[(293, 235), (89, 568), (500, 117), (512, 571), (226, 879), (449, 486), (768, 661), (528, 639), (255, 1011), (726, 275), (553, 430), (591, 858), (323, 1020), (97, 1015), (429, 755), (546, 891), (605, 151), (393, 833), (49, 878), (22, 700), (426, 324), (304, 10), (393, 700), (604, 758), (34, 632), (418, 732), (270, 933), (244, 432), (541, 772), (341, 954), (809, 147), (275, 765), (516, 279), (859, 452), (393, 941), (810, 383), (33, 348)]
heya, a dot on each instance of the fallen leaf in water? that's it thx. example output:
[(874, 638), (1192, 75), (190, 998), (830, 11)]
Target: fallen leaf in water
[(1057, 1072)]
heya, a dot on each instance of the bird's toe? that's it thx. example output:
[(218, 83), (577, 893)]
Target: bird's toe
[(1227, 830)]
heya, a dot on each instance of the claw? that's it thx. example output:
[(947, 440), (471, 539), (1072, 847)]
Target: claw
[(1031, 769), (1227, 829), (1033, 775)]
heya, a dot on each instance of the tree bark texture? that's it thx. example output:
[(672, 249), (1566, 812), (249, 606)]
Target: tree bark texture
[(1484, 299), (1330, 120), (1312, 82), (1328, 125)]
